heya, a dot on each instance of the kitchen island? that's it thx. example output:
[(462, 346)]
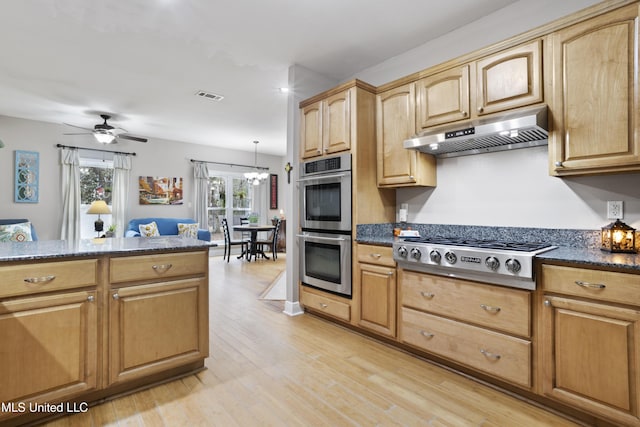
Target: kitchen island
[(85, 320)]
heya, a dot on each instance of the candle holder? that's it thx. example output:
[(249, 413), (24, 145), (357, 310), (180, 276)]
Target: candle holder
[(618, 237)]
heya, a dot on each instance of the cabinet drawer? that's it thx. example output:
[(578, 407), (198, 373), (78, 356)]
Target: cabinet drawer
[(381, 255), (47, 276), (150, 267), (326, 305), (500, 355), (496, 307), (601, 285)]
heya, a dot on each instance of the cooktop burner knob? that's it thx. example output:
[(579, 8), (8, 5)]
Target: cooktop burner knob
[(415, 253), (513, 265), (450, 257), (492, 262), (402, 251), (435, 256)]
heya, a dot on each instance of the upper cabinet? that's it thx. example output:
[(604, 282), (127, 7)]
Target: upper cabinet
[(326, 125), (508, 79), (395, 122), (596, 116)]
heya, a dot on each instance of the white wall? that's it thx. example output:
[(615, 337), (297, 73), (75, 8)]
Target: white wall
[(156, 158), (506, 188)]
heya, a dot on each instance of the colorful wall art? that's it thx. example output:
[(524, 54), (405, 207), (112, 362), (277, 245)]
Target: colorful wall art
[(26, 178), (156, 190)]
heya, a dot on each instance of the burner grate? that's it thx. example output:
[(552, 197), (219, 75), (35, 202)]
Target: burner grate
[(478, 243)]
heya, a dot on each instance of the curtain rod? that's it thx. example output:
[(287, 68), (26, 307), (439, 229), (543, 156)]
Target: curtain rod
[(94, 149), (231, 164)]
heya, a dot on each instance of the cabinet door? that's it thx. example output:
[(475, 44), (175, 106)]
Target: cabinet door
[(336, 125), (156, 327), (395, 122), (509, 79), (595, 100), (378, 298), (590, 357), (443, 98), (311, 130), (48, 347)]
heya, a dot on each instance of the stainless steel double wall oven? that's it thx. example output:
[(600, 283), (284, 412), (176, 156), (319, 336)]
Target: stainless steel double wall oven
[(325, 220)]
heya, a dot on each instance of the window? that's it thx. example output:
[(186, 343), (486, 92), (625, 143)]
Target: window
[(235, 207), (96, 179)]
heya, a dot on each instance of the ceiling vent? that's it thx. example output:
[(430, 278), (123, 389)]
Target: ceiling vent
[(209, 95)]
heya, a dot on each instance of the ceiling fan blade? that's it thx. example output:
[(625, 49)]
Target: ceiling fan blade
[(79, 127), (132, 138), (79, 133)]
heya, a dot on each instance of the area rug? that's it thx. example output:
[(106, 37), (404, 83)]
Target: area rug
[(277, 290)]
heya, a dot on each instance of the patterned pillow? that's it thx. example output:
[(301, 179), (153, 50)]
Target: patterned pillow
[(188, 230), (20, 232), (149, 230)]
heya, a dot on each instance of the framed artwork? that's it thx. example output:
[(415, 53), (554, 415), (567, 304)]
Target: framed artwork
[(156, 190), (27, 176), (273, 191)]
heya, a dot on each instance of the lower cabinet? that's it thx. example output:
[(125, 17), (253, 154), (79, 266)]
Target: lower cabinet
[(48, 347), (324, 303), (156, 327), (376, 279)]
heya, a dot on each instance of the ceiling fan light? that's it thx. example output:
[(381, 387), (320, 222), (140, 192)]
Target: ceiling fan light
[(103, 137)]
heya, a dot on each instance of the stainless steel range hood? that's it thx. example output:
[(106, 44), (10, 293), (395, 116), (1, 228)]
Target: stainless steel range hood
[(522, 128)]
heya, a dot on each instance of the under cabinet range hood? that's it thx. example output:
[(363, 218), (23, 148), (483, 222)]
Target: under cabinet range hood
[(522, 128)]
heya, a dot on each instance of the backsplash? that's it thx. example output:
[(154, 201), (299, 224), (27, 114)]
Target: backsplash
[(585, 239)]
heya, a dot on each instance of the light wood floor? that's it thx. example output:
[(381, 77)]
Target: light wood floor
[(269, 369)]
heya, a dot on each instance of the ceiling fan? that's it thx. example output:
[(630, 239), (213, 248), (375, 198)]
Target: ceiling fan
[(105, 133)]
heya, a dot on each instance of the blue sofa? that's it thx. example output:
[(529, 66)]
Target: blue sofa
[(166, 227), (34, 236)]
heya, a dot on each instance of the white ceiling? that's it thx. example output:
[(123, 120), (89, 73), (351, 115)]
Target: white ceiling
[(66, 61)]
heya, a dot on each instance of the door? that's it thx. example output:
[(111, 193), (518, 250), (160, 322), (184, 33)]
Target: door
[(325, 261), (443, 98), (378, 298), (311, 130), (232, 197), (590, 357), (336, 132)]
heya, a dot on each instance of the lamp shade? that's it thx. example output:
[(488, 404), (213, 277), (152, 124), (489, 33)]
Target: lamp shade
[(104, 137), (99, 207)]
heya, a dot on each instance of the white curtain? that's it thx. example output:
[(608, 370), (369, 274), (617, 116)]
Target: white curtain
[(70, 161), (120, 192), (201, 197)]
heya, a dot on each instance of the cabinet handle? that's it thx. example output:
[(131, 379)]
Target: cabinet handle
[(558, 164), (326, 150), (427, 294), (376, 256), (464, 114), (426, 334), (547, 303), (323, 305), (480, 109), (390, 273), (43, 279), (590, 285), (91, 298), (116, 296), (319, 151), (162, 267), (490, 355), (490, 309), (412, 178)]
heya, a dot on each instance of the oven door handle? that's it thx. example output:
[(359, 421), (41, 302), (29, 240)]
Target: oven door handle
[(332, 239), (315, 178)]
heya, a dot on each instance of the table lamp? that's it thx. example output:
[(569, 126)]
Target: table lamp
[(99, 207)]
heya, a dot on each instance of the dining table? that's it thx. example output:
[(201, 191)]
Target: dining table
[(253, 229)]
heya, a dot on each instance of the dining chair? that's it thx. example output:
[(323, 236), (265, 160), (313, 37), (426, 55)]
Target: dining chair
[(228, 242), (271, 241)]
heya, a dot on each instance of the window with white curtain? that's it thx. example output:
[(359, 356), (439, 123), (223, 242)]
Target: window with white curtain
[(96, 179), (231, 196)]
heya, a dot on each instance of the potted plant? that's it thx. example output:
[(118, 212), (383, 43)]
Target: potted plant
[(110, 231)]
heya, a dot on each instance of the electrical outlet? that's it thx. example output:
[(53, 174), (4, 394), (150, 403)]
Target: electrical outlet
[(614, 210)]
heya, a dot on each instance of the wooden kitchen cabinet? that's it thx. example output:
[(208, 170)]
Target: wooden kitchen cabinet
[(48, 347), (590, 347), (326, 125), (376, 279), (395, 122), (443, 97), (158, 318), (596, 111), (325, 303)]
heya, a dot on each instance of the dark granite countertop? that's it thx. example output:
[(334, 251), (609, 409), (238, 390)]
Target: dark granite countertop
[(593, 257), (46, 249)]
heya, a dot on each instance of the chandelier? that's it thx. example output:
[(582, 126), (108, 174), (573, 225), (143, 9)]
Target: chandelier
[(256, 176)]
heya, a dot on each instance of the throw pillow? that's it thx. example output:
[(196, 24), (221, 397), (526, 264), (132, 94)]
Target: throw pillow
[(188, 230), (149, 230), (20, 232)]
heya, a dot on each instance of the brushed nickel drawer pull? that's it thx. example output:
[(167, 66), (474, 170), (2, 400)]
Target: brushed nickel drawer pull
[(162, 268), (323, 305), (116, 296), (427, 294), (426, 334), (43, 279), (376, 256), (91, 298), (590, 285), (490, 355), (490, 309)]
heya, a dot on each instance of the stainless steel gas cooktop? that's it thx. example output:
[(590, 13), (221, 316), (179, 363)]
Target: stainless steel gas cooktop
[(498, 262)]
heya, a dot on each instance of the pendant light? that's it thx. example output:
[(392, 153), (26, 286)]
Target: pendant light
[(256, 176)]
